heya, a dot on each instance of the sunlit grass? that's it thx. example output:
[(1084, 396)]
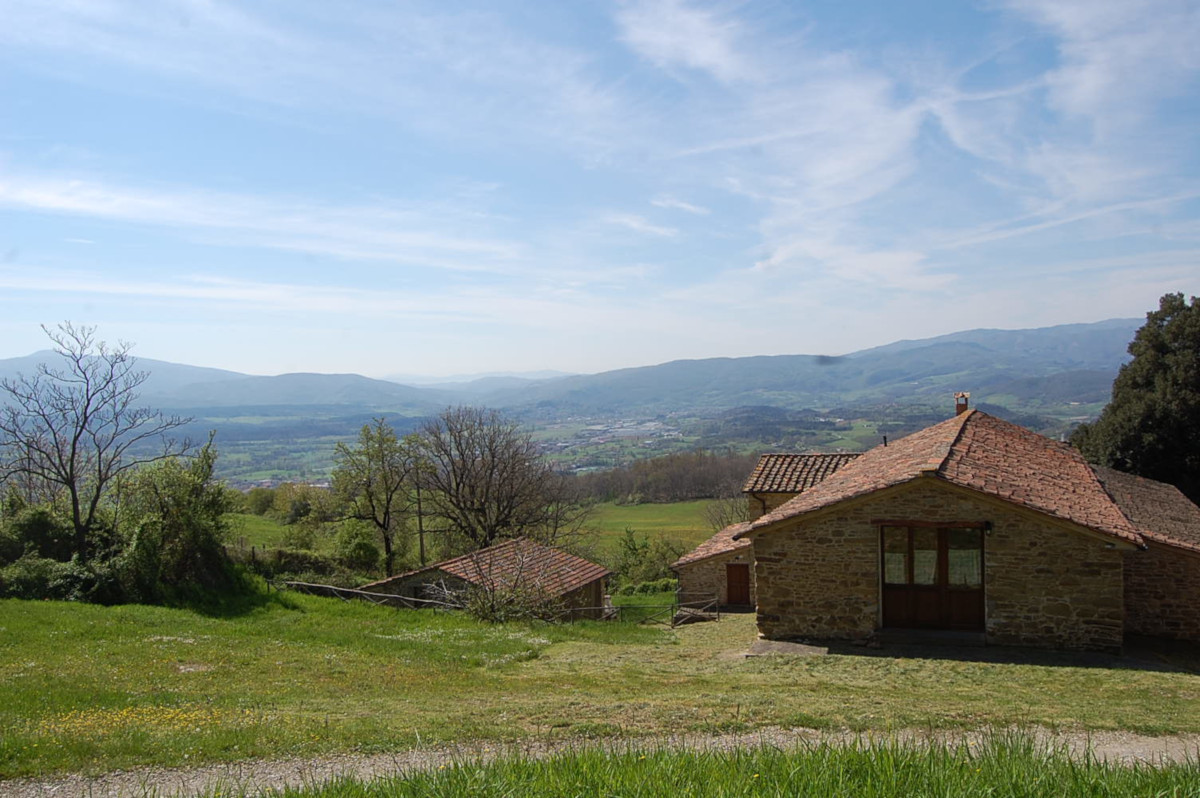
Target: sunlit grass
[(1008, 766), (85, 687), (681, 521)]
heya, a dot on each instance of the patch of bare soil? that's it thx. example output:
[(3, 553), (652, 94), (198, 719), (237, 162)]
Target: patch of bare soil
[(258, 776)]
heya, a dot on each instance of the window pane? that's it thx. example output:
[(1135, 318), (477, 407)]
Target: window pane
[(965, 557), (925, 550), (895, 555)]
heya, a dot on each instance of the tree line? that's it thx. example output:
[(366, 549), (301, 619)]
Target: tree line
[(671, 478)]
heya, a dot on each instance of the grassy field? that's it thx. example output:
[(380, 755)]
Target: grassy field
[(247, 529), (682, 521), (1006, 766), (96, 688)]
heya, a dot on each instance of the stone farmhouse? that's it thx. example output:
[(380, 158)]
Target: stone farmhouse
[(519, 563), (976, 529)]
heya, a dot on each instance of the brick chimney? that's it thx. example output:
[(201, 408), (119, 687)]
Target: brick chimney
[(962, 402)]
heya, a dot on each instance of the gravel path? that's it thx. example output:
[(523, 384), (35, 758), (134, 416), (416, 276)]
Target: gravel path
[(257, 776)]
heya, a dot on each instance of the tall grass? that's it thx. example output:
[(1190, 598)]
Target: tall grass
[(1007, 766)]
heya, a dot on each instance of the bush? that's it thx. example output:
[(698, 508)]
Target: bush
[(41, 530), (33, 577), (289, 563), (259, 500), (656, 586), (644, 560), (354, 547), (509, 603)]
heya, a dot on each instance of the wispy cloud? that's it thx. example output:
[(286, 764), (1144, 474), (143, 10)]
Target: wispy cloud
[(392, 63), (673, 33), (407, 235), (639, 224), (671, 203)]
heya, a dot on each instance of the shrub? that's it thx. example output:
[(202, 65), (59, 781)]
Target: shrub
[(508, 603), (41, 530), (656, 586), (644, 560), (32, 576), (280, 563), (259, 500), (354, 547)]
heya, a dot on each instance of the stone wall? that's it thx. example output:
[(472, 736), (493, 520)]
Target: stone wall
[(417, 585), (423, 585), (707, 577), (1162, 592), (1044, 585)]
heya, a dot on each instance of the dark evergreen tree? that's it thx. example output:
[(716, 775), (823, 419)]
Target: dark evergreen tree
[(1152, 425)]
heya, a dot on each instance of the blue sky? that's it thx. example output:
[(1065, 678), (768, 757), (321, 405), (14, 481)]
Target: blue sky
[(441, 188)]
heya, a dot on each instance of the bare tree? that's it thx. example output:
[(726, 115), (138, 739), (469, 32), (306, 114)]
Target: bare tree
[(486, 480), (375, 478), (726, 511), (73, 430)]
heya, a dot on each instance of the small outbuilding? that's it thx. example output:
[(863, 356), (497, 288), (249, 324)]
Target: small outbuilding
[(518, 563), (723, 566)]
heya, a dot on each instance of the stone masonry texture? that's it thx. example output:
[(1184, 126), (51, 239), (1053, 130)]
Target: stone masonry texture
[(1045, 584), (1162, 592), (707, 577)]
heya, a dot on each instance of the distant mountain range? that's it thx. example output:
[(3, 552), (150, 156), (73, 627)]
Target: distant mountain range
[(1029, 370)]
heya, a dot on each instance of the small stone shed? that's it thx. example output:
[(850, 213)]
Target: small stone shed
[(520, 562), (977, 527), (723, 566)]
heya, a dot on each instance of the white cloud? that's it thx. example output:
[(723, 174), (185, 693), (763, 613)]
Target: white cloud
[(639, 224), (403, 234), (1118, 58), (671, 203), (674, 33)]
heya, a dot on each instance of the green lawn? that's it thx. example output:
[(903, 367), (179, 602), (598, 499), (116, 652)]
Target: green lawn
[(682, 521), (100, 688)]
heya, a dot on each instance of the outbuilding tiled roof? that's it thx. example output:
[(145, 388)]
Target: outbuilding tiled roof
[(720, 543), (520, 561), (983, 453), (793, 473), (1160, 511)]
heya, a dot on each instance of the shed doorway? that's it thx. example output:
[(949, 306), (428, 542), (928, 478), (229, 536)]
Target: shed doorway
[(737, 584), (932, 576)]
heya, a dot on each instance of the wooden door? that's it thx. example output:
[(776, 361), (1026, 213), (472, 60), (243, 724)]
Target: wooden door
[(932, 577), (737, 583)]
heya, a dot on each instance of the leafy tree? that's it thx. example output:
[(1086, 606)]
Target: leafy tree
[(486, 480), (177, 511), (640, 559), (259, 500), (375, 478), (72, 431), (1152, 425)]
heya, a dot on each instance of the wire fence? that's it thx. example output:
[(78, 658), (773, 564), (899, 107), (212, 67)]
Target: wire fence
[(685, 608)]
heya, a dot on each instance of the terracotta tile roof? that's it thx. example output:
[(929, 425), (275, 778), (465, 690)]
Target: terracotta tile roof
[(793, 473), (983, 453), (1160, 511), (720, 543), (520, 561)]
